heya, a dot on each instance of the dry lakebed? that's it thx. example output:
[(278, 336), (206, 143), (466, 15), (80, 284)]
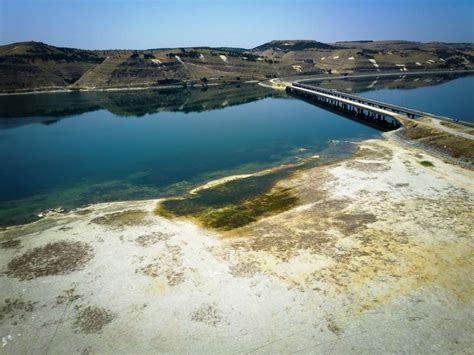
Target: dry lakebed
[(372, 254)]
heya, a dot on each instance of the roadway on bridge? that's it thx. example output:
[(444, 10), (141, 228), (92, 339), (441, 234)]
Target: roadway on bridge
[(351, 102)]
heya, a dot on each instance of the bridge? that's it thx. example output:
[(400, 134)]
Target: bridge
[(382, 115)]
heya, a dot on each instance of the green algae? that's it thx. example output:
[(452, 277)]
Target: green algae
[(238, 215), (236, 203), (426, 163)]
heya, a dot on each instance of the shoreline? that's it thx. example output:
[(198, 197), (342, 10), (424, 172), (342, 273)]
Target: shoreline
[(137, 88), (371, 242), (375, 74), (259, 82), (391, 135), (60, 210)]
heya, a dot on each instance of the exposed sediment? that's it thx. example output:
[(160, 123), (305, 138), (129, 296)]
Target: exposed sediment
[(375, 256)]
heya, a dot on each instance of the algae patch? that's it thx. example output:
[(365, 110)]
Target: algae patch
[(427, 163), (235, 203), (238, 202)]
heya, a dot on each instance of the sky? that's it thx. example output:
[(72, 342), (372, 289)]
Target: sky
[(141, 24)]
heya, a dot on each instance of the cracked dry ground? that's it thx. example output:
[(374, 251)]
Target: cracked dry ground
[(376, 258)]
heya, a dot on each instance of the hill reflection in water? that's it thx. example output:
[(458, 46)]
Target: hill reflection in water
[(47, 108)]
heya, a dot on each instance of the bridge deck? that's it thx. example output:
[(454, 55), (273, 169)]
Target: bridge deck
[(349, 102), (381, 107), (381, 104)]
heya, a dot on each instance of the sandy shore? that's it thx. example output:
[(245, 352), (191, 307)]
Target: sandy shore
[(217, 182), (376, 258)]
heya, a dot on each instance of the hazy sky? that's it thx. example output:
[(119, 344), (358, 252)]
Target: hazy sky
[(143, 24)]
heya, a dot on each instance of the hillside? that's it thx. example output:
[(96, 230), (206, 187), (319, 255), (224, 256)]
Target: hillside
[(30, 66), (35, 65), (365, 56), (293, 45)]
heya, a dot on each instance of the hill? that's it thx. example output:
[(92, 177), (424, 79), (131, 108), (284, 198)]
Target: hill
[(293, 45), (34, 65), (366, 56), (30, 66)]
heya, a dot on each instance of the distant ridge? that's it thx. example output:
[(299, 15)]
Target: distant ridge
[(293, 45), (360, 41), (36, 66)]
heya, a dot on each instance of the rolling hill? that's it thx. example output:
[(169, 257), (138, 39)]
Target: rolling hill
[(32, 66)]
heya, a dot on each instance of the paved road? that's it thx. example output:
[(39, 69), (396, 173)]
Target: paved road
[(352, 102), (437, 124), (371, 74)]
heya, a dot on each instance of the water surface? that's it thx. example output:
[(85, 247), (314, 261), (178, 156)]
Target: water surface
[(450, 95), (72, 149)]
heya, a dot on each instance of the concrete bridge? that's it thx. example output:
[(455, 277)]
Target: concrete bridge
[(379, 114), (380, 118)]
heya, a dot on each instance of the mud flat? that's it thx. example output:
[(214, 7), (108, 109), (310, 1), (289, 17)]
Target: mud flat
[(374, 257)]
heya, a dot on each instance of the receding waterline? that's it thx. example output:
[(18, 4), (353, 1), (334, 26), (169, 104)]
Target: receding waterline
[(68, 150), (99, 156)]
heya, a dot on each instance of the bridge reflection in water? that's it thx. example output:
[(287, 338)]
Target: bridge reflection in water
[(377, 114)]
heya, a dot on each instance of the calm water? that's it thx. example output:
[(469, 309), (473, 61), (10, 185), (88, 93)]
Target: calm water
[(72, 159), (434, 94), (78, 148)]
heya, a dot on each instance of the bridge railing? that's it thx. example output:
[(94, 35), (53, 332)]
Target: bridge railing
[(411, 113), (370, 115), (371, 102)]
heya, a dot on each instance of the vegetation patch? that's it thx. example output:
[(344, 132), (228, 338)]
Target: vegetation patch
[(244, 268), (235, 203), (427, 163), (57, 258), (16, 308), (451, 125), (351, 223), (455, 146), (208, 314), (151, 239), (332, 326), (415, 130), (452, 145), (10, 244), (173, 276), (92, 319), (314, 233), (68, 296), (167, 265), (122, 219)]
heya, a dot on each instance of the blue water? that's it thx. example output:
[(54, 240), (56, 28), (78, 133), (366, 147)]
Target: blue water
[(454, 99), (99, 156), (72, 149)]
